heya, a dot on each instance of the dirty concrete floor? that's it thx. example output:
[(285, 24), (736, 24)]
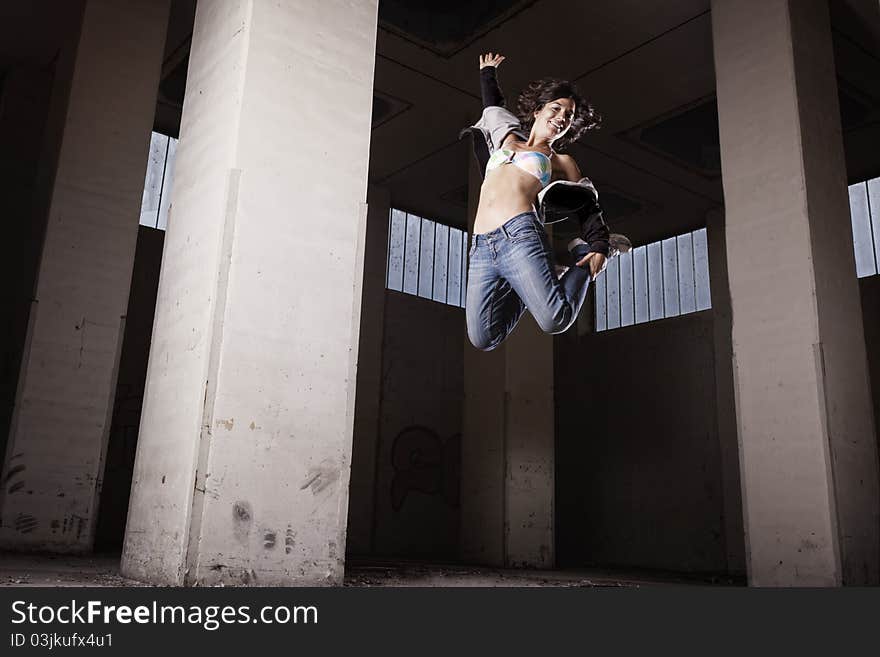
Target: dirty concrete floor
[(103, 570)]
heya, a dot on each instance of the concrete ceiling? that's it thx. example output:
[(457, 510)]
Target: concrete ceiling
[(32, 31), (446, 26)]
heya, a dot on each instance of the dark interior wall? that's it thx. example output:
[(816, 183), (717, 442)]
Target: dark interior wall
[(24, 106), (870, 289), (418, 457), (639, 481), (130, 383), (359, 535), (34, 92)]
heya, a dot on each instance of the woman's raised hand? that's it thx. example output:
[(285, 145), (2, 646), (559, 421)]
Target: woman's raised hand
[(490, 59)]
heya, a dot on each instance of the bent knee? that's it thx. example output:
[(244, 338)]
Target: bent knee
[(487, 347), (483, 342), (555, 323)]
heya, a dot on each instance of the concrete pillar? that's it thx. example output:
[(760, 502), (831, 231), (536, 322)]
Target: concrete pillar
[(725, 408), (362, 503), (244, 450), (55, 454), (805, 423), (508, 445), (530, 446)]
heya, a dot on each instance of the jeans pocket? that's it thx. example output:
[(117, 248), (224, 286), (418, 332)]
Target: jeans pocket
[(524, 232)]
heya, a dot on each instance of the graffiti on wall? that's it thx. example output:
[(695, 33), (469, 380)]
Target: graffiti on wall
[(426, 463)]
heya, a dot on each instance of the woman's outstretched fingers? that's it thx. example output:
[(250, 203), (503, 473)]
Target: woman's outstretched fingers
[(491, 59)]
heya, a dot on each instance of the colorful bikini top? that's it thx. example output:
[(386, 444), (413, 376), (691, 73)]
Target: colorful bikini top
[(531, 162)]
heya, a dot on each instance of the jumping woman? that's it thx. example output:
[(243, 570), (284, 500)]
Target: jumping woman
[(527, 183)]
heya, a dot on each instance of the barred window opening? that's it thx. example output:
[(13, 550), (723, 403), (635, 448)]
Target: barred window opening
[(426, 259), (864, 205), (662, 279)]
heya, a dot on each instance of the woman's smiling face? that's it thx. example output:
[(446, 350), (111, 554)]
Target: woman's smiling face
[(554, 118)]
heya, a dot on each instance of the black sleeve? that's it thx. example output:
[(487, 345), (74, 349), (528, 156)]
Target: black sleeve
[(489, 88), (594, 230)]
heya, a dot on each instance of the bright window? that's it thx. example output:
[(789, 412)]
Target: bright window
[(864, 206), (426, 259), (661, 279), (157, 185)]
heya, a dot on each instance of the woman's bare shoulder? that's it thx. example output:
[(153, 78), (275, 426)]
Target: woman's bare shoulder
[(568, 166)]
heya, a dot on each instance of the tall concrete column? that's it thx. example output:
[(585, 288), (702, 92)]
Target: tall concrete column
[(244, 450), (804, 417), (58, 435), (508, 444)]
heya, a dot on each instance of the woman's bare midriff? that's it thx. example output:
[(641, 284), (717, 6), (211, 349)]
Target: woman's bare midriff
[(506, 192)]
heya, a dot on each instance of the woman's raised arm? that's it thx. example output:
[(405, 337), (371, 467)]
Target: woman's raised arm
[(490, 90)]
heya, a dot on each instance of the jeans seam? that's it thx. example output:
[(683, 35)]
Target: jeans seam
[(488, 328)]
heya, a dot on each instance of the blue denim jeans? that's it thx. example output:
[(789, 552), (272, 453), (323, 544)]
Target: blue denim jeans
[(511, 268)]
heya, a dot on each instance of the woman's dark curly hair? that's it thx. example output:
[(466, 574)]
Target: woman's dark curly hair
[(541, 92)]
